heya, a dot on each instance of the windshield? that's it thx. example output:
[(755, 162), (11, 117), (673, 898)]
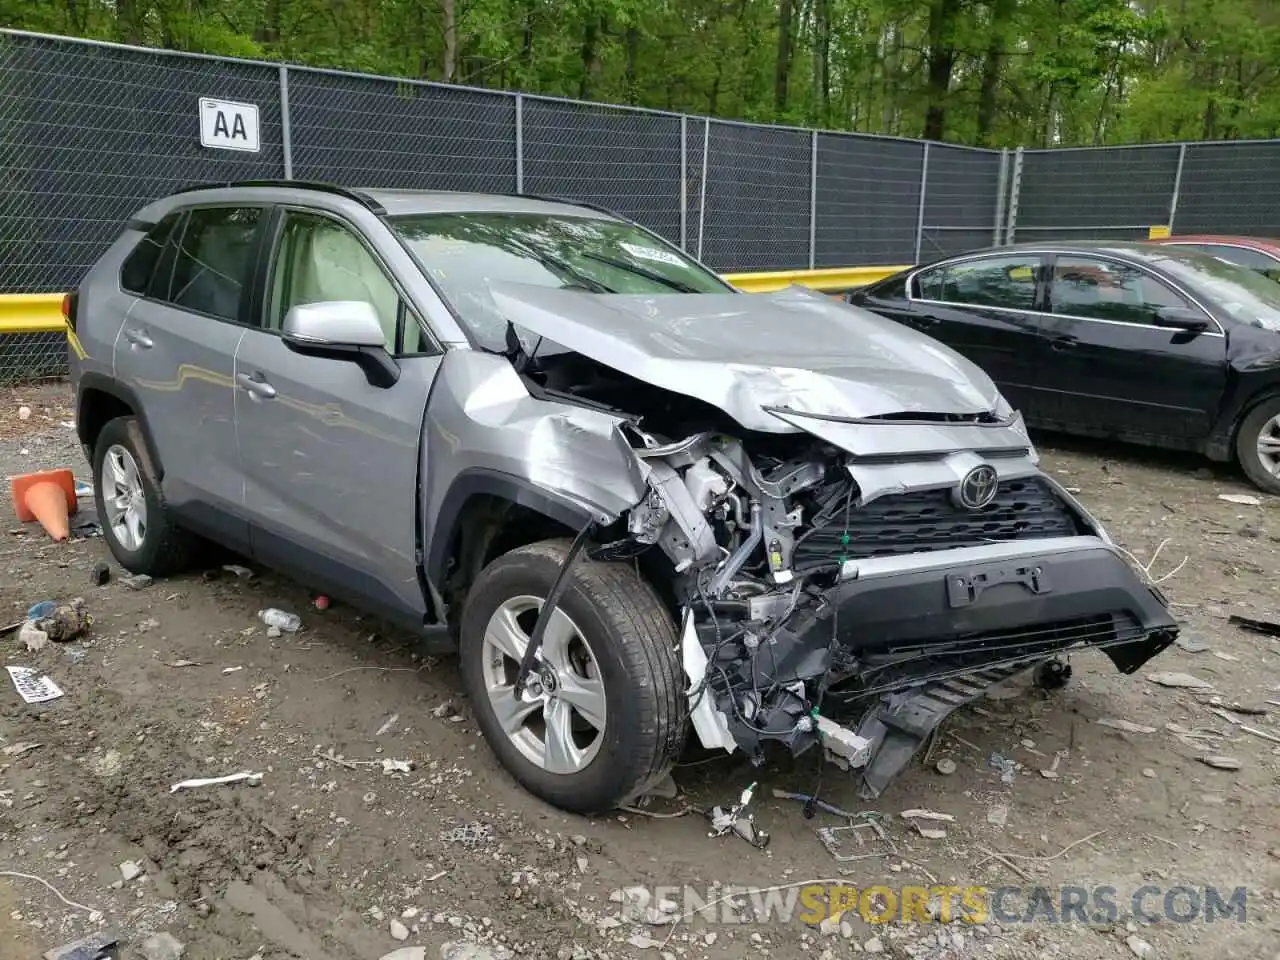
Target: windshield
[(466, 253), (1248, 296)]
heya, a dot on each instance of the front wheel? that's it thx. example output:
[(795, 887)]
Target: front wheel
[(603, 715), (1258, 445)]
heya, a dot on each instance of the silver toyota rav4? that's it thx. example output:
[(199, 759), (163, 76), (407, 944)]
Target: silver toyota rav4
[(636, 500)]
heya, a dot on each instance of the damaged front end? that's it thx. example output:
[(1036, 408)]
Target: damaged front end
[(850, 603), (858, 535)]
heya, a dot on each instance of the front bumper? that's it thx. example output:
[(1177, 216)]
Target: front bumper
[(1034, 595)]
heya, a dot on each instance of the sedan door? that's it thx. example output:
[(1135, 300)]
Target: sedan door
[(330, 459), (984, 308), (1111, 369)]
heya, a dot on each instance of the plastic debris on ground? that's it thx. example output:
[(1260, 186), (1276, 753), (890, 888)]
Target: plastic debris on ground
[(32, 686), (96, 946), (737, 821), (1007, 767), (288, 622), (253, 779)]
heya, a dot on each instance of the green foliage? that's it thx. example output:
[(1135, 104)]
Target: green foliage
[(996, 72)]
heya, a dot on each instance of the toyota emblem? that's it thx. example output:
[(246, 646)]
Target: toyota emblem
[(978, 488)]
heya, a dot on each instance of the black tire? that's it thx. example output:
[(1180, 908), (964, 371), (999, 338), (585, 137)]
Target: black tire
[(632, 639), (166, 548), (1247, 436)]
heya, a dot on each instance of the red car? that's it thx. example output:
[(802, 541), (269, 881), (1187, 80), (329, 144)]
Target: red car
[(1255, 253)]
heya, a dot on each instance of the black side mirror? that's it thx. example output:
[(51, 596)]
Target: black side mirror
[(1182, 318)]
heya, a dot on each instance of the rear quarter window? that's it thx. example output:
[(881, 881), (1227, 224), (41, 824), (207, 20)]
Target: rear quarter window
[(138, 272)]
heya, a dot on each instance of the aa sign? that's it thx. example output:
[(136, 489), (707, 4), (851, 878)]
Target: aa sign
[(225, 125)]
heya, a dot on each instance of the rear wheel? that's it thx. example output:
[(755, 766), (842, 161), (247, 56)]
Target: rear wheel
[(1258, 445), (131, 509), (603, 716)]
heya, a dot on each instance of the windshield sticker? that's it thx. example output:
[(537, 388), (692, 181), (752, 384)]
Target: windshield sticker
[(649, 253)]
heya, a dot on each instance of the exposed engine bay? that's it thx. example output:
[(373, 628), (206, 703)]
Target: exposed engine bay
[(845, 582)]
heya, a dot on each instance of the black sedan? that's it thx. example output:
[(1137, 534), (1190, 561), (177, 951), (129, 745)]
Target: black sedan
[(1141, 342)]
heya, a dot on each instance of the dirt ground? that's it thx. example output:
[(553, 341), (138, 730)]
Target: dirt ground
[(178, 679)]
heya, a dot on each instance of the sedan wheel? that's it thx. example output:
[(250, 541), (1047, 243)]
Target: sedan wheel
[(1268, 446)]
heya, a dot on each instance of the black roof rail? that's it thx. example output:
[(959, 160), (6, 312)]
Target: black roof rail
[(358, 196)]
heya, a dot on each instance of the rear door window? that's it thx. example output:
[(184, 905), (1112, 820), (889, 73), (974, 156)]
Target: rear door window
[(215, 260), (1109, 290)]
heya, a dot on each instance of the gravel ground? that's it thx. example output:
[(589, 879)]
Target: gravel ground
[(331, 857)]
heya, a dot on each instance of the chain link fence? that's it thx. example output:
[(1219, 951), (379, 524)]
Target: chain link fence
[(90, 132)]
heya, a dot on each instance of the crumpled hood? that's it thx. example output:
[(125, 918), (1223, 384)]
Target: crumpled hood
[(744, 353)]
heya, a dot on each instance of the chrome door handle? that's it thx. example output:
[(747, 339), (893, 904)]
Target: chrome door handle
[(139, 339), (257, 387)]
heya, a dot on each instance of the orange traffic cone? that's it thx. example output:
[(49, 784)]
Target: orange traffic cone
[(49, 497)]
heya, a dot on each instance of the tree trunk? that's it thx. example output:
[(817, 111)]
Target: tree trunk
[(782, 67), (992, 64), (590, 56), (128, 21), (941, 60), (822, 61), (631, 41), (449, 21)]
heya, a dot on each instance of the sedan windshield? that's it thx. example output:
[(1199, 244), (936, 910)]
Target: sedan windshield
[(466, 253), (1247, 295)]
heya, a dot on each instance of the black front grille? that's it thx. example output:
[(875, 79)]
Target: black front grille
[(1025, 509)]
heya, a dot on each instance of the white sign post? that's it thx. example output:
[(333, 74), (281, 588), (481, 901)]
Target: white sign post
[(225, 125)]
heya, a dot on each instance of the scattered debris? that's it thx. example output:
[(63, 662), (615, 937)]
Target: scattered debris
[(388, 724), (137, 581), (243, 573), (107, 765), (1149, 773), (1220, 762), (998, 814), (182, 663), (147, 625), (161, 946), (100, 575), (1125, 725), (96, 946), (469, 834), (399, 931), (927, 815), (815, 802), (406, 953), (130, 870), (1266, 627), (1243, 499), (20, 749), (874, 945), (443, 710), (1190, 644), (38, 611), (945, 766), (32, 686), (24, 413), (1260, 733), (737, 821), (397, 766), (1179, 681), (32, 637), (831, 838), (94, 915), (1007, 767), (288, 622), (1229, 657), (227, 670), (1140, 948), (253, 779), (321, 602)]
